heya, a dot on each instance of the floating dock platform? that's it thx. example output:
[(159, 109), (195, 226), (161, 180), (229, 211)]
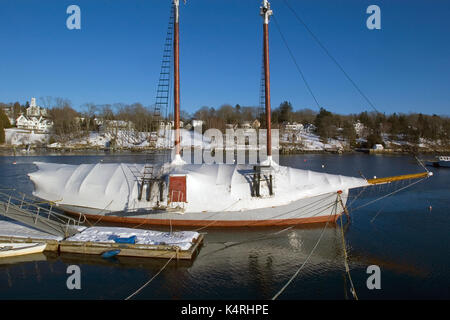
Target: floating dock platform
[(127, 250), (12, 232)]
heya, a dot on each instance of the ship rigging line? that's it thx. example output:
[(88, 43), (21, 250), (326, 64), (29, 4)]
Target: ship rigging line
[(306, 260), (295, 61), (347, 268), (261, 238), (329, 55), (270, 236), (387, 195), (149, 281), (311, 205)]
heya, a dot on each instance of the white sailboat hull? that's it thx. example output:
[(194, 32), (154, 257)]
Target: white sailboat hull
[(216, 195)]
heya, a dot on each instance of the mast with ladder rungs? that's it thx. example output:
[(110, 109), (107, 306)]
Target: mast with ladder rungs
[(164, 84)]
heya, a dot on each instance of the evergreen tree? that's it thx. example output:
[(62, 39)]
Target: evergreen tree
[(325, 125), (285, 112), (349, 133), (373, 139), (17, 109), (4, 120), (2, 133)]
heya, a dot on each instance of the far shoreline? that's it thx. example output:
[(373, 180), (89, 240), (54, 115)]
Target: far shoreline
[(9, 150)]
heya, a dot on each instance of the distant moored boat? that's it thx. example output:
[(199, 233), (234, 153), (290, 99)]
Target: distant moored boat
[(441, 161)]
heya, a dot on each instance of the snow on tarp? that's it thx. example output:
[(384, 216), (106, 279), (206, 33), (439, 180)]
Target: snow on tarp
[(104, 186), (212, 188), (182, 239)]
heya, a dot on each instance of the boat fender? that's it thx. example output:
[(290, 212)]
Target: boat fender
[(110, 253)]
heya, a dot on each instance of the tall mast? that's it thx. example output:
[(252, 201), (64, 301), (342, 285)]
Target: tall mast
[(176, 93), (266, 12)]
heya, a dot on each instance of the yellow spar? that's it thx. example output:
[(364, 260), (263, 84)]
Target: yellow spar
[(399, 178)]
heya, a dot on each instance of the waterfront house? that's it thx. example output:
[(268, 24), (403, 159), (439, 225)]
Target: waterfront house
[(33, 123)]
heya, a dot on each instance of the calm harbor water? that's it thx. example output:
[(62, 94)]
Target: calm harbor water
[(400, 234)]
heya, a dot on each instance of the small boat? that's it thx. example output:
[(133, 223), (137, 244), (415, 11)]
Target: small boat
[(440, 161), (8, 249)]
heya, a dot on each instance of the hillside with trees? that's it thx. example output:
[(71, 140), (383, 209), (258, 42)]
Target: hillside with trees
[(411, 129)]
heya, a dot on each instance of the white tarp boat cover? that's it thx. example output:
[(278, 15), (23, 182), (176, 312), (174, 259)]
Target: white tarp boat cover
[(212, 188)]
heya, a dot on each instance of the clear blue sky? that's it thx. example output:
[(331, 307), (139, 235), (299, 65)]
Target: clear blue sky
[(116, 56)]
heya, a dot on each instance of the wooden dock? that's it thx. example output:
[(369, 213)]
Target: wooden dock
[(127, 250)]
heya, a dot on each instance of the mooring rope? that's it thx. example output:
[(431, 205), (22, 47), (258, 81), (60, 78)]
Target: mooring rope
[(306, 261), (347, 268), (99, 213), (149, 281), (265, 237), (214, 221)]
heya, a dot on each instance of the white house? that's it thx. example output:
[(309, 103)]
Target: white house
[(310, 128), (108, 125), (34, 110), (197, 123), (231, 126), (246, 125), (359, 127), (293, 126), (378, 147), (33, 123), (165, 126), (34, 119), (172, 123)]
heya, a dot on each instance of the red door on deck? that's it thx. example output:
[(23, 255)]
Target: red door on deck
[(177, 189)]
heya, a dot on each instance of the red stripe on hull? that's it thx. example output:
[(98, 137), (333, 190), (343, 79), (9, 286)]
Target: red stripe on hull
[(203, 223)]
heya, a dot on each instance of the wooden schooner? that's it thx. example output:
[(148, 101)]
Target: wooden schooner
[(219, 195)]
